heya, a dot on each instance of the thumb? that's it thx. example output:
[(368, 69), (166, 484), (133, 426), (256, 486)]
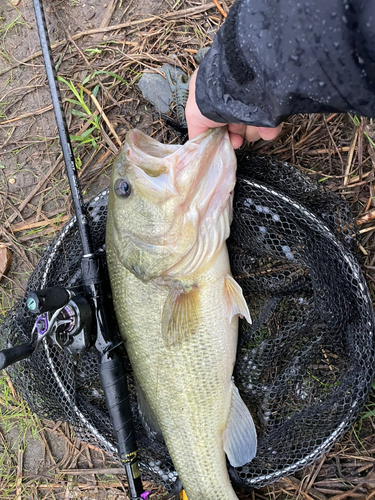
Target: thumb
[(196, 122)]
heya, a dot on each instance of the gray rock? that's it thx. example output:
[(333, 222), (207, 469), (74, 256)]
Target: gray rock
[(200, 54), (156, 89)]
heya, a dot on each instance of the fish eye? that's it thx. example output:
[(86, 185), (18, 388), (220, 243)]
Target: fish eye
[(122, 188)]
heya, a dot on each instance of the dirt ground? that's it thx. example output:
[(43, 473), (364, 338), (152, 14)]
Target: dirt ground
[(35, 202)]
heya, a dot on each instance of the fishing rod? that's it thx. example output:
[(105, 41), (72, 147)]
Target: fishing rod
[(72, 320)]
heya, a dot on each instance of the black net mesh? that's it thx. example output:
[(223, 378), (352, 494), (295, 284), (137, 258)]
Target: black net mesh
[(304, 367)]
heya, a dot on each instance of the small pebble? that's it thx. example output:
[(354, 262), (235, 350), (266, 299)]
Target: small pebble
[(12, 181)]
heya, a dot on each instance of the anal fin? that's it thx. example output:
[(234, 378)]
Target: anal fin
[(146, 415), (239, 437), (235, 301)]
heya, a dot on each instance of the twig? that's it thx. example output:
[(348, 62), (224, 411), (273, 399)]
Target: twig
[(347, 494), (11, 386), (6, 278), (83, 472), (88, 457), (19, 475), (103, 115), (333, 142), (326, 151), (317, 470), (359, 457), (360, 145), (32, 225), (108, 140), (170, 16), (283, 149), (17, 247), (220, 8), (363, 250), (350, 158), (106, 19), (367, 217), (27, 115), (366, 230), (7, 140), (296, 485)]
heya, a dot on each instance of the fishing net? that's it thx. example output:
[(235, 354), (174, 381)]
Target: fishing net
[(304, 367)]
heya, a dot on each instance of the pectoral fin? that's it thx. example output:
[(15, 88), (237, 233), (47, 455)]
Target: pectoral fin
[(235, 301), (180, 316), (239, 438)]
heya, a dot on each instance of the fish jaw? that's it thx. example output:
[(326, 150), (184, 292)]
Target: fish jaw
[(178, 214)]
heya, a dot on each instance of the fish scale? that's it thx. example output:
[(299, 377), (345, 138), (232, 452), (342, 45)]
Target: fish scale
[(176, 303), (194, 441)]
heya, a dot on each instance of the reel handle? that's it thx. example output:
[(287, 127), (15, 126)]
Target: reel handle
[(14, 354), (114, 383)]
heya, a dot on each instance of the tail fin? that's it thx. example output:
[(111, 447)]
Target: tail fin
[(239, 438)]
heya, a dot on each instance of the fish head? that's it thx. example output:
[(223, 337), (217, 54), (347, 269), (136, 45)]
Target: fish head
[(160, 198)]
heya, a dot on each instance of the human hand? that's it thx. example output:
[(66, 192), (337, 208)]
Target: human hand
[(197, 123)]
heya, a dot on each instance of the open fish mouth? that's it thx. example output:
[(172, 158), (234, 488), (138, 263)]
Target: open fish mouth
[(178, 210)]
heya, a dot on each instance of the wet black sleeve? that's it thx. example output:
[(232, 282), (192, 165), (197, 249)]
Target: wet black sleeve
[(274, 58)]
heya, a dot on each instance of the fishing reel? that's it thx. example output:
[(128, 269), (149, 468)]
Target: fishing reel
[(62, 315)]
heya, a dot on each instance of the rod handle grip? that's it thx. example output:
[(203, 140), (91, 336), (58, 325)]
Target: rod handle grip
[(14, 354), (115, 386), (114, 383)]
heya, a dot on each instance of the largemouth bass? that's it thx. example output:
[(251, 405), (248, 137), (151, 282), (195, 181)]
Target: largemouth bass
[(177, 304)]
